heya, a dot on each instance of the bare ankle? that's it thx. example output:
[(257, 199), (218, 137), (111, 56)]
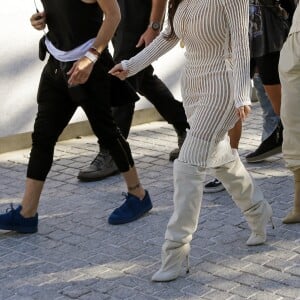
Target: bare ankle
[(134, 187), (27, 213), (137, 190)]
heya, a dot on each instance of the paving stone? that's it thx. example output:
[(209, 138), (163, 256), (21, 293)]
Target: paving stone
[(144, 297), (289, 292), (17, 297), (265, 296), (223, 284), (295, 270), (198, 290), (244, 291), (122, 292), (215, 294), (94, 296), (75, 292)]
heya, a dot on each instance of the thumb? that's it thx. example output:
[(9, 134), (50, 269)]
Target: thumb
[(140, 42), (71, 70), (115, 70)]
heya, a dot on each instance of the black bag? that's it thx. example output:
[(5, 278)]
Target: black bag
[(268, 27)]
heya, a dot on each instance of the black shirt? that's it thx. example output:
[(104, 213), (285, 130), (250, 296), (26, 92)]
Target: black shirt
[(135, 20), (71, 22)]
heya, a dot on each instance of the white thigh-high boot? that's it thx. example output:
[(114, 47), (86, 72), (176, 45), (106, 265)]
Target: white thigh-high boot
[(248, 197), (188, 190)]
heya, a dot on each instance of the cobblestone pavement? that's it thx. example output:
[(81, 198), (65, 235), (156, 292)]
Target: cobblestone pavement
[(77, 255)]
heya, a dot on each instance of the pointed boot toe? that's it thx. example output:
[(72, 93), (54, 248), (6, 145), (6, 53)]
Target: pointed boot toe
[(164, 276), (256, 239)]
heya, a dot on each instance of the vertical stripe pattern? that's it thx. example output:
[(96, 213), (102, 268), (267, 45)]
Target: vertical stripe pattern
[(215, 78)]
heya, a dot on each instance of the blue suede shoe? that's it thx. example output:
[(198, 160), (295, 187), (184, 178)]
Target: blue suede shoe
[(132, 209), (13, 220)]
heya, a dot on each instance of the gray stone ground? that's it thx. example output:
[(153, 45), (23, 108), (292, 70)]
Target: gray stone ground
[(77, 255)]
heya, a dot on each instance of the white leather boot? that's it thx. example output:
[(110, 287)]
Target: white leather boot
[(188, 190), (248, 197), (258, 217), (294, 215), (173, 255)]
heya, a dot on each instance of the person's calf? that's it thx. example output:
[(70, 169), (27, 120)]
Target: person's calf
[(294, 215)]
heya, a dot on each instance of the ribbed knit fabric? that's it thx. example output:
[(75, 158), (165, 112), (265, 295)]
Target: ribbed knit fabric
[(215, 78)]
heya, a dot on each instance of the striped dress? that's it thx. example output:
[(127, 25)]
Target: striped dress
[(215, 78)]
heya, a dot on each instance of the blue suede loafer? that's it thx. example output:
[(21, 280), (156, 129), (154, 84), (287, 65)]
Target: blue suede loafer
[(13, 220), (132, 209)]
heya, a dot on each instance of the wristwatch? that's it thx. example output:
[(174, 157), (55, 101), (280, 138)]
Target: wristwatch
[(155, 25)]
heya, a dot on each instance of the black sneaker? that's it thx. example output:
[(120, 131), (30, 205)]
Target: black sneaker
[(269, 147), (13, 220), (213, 186), (101, 167)]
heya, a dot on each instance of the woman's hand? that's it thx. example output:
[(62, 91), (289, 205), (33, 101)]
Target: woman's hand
[(243, 112), (38, 20), (80, 71), (118, 71)]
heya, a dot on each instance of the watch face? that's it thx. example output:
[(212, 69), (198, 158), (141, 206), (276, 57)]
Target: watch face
[(155, 26)]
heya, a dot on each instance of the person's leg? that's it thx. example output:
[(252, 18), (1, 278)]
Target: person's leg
[(270, 119), (123, 116), (109, 136), (137, 201), (98, 111), (188, 187), (289, 68), (189, 174), (31, 197), (274, 94), (235, 133), (188, 183), (103, 164), (294, 215), (96, 105), (55, 109), (150, 86), (268, 71), (247, 196), (269, 147)]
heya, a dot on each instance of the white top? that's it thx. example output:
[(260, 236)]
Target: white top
[(71, 55)]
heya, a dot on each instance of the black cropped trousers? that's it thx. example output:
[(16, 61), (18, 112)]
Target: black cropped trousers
[(56, 105)]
